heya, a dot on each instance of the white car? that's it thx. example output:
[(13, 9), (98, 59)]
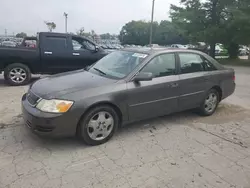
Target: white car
[(8, 44), (244, 51), (179, 46)]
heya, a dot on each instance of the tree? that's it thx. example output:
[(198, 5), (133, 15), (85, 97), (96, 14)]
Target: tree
[(238, 23), (213, 21), (136, 32), (105, 36), (21, 35), (81, 32), (51, 26), (168, 33), (93, 34)]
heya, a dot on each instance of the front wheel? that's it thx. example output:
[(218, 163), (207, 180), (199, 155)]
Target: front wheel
[(98, 125), (17, 74), (210, 103)]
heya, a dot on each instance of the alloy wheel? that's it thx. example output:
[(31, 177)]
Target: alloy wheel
[(17, 75), (100, 125), (211, 102)]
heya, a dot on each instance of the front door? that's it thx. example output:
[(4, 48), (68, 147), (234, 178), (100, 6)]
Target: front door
[(84, 53), (156, 97)]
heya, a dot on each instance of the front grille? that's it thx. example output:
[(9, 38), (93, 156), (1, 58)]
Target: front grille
[(32, 98)]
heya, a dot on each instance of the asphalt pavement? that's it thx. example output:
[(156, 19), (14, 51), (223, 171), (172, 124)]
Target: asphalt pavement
[(179, 150)]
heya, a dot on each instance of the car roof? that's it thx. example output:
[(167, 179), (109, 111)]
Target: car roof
[(66, 34), (152, 51)]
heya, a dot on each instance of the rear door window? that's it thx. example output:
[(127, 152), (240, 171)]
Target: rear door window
[(208, 66), (55, 43), (190, 63)]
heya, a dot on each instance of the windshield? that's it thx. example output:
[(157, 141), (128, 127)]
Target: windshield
[(118, 64)]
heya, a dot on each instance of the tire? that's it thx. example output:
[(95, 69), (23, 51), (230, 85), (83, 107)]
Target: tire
[(86, 132), (205, 106), (23, 78)]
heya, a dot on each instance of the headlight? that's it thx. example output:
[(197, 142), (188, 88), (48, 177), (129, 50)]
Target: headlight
[(54, 105)]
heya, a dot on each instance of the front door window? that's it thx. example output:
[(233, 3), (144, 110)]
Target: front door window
[(162, 65), (82, 44)]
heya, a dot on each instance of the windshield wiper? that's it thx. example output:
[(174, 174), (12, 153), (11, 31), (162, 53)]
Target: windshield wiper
[(98, 70)]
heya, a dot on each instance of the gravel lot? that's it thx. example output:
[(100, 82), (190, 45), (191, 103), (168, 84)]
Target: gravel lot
[(180, 150)]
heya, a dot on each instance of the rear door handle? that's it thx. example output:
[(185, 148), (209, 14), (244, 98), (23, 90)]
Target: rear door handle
[(76, 54), (48, 53)]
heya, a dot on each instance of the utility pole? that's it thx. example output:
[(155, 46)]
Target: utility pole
[(6, 33), (66, 21), (151, 25)]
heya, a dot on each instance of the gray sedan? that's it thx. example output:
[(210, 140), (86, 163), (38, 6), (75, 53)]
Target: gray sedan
[(125, 86)]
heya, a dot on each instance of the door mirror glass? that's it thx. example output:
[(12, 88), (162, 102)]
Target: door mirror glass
[(143, 76), (96, 48)]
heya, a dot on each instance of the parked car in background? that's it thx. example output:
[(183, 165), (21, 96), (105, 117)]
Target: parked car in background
[(8, 44), (191, 46), (220, 50), (29, 42), (53, 53), (104, 46), (179, 46), (244, 50), (125, 86)]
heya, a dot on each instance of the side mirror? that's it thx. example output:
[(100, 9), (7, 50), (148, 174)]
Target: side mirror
[(143, 76), (96, 48)]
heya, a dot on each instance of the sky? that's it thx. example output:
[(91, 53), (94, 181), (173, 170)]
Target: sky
[(102, 16)]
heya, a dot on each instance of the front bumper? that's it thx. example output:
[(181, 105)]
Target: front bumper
[(48, 124)]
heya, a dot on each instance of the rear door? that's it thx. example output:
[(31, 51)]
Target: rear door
[(195, 79), (158, 96), (55, 54)]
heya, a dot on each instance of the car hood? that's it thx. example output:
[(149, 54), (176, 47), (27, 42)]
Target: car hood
[(64, 83)]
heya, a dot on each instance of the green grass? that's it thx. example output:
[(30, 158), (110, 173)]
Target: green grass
[(236, 62)]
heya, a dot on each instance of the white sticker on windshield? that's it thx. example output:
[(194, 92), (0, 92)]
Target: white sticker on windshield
[(139, 55)]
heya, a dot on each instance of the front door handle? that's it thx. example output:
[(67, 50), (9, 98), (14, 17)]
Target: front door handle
[(76, 54), (48, 53)]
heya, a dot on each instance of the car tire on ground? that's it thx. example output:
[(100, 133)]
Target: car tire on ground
[(210, 103), (17, 74), (98, 125)]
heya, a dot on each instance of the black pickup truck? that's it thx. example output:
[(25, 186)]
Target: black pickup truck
[(52, 53)]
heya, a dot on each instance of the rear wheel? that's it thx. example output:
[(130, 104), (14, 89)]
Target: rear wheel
[(210, 103), (98, 125), (17, 74)]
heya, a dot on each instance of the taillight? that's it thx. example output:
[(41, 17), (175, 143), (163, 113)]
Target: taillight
[(233, 77)]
